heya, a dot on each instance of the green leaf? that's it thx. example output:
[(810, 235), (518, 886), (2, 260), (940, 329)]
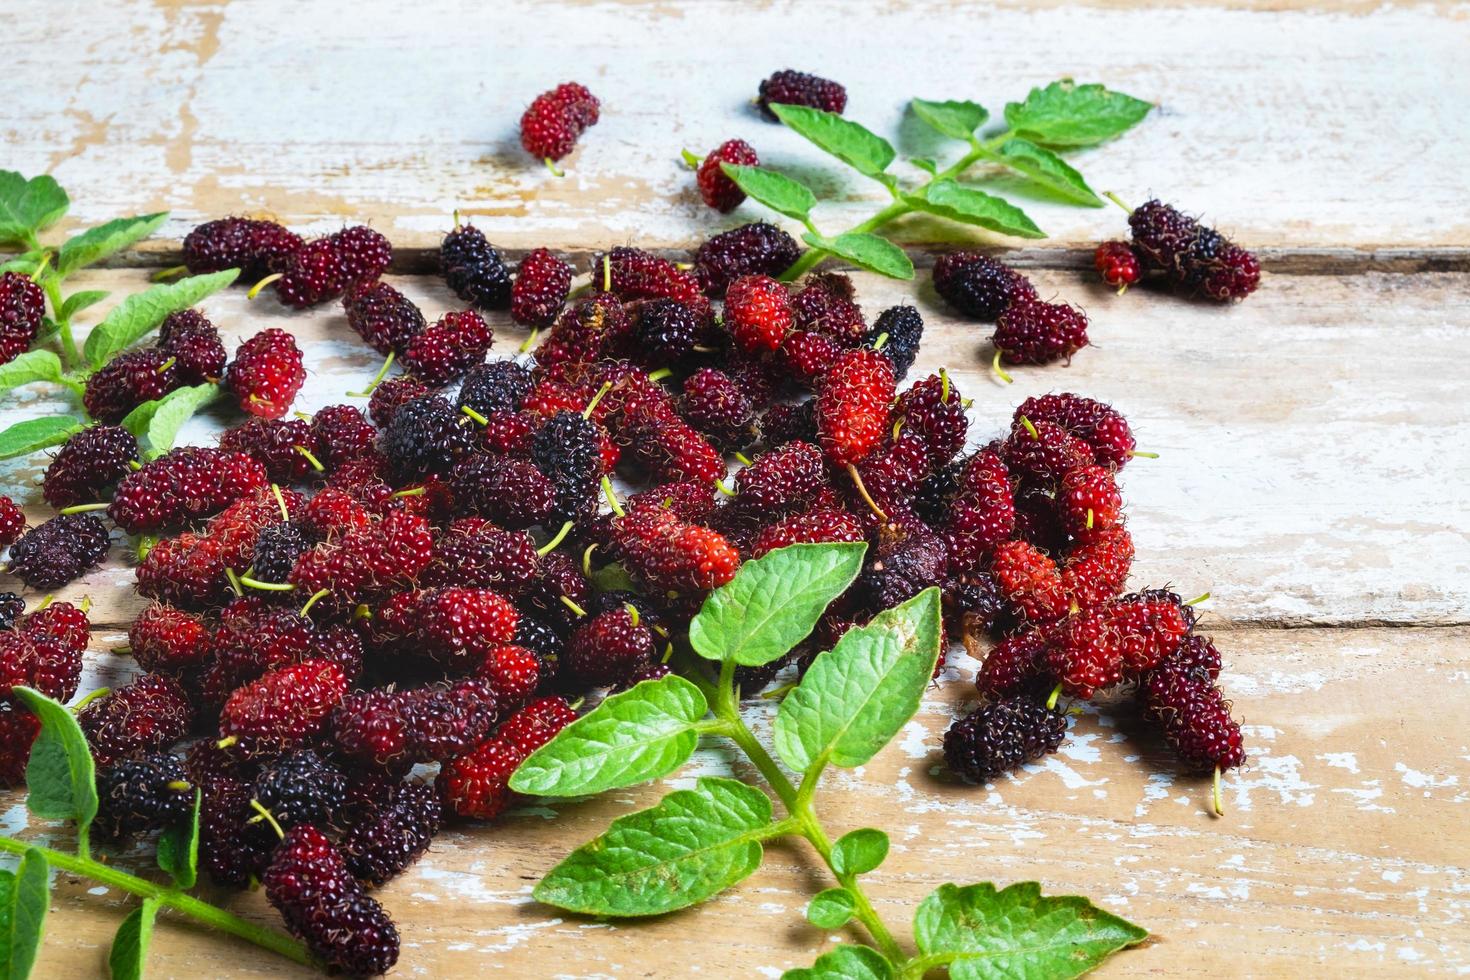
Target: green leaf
[(171, 412), (772, 603), (925, 164), (868, 251), (1016, 932), (1066, 114), (846, 963), (79, 301), (1049, 170), (25, 895), (775, 190), (26, 437), (133, 318), (107, 239), (632, 737), (33, 365), (178, 849), (856, 696), (25, 263), (60, 778), (831, 908), (692, 845), (855, 145), (612, 577), (859, 851), (958, 119), (130, 946), (974, 207), (28, 206)]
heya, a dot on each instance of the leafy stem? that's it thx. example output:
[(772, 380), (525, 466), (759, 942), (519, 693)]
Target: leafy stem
[(271, 939), (51, 283), (901, 204), (798, 803)]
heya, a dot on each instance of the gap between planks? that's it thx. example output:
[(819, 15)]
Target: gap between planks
[(1327, 261)]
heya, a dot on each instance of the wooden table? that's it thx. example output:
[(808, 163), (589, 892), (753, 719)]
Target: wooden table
[(1314, 441)]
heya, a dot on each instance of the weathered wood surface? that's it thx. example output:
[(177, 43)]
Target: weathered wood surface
[(1320, 133), (1315, 440), (1342, 847)]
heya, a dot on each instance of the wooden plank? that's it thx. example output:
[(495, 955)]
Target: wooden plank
[(1329, 151), (1342, 844), (1304, 459)]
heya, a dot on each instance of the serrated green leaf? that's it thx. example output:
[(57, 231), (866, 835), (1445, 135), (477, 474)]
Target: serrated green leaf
[(632, 737), (27, 437), (1065, 114), (1049, 170), (956, 118), (97, 243), (33, 365), (82, 299), (135, 317), (129, 951), (170, 414), (831, 908), (1018, 932), (60, 777), (28, 206), (975, 207), (775, 190), (772, 603), (25, 896), (692, 845), (856, 696), (178, 849), (859, 851), (855, 145), (867, 251), (846, 963)]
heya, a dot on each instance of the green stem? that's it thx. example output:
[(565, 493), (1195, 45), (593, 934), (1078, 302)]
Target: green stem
[(52, 285), (798, 804), (271, 939), (978, 150), (862, 908)]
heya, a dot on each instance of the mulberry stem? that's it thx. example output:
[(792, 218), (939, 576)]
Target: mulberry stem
[(271, 939)]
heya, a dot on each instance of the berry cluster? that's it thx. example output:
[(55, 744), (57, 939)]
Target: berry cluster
[(303, 273), (1027, 329), (22, 305), (188, 352), (40, 650), (1171, 244)]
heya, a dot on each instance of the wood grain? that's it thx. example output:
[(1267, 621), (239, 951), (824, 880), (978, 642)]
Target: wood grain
[(1302, 128), (1342, 843)]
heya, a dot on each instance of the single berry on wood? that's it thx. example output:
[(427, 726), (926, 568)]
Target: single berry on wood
[(267, 373), (540, 288), (759, 248), (58, 551), (1002, 736), (473, 269), (790, 87), (718, 190)]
